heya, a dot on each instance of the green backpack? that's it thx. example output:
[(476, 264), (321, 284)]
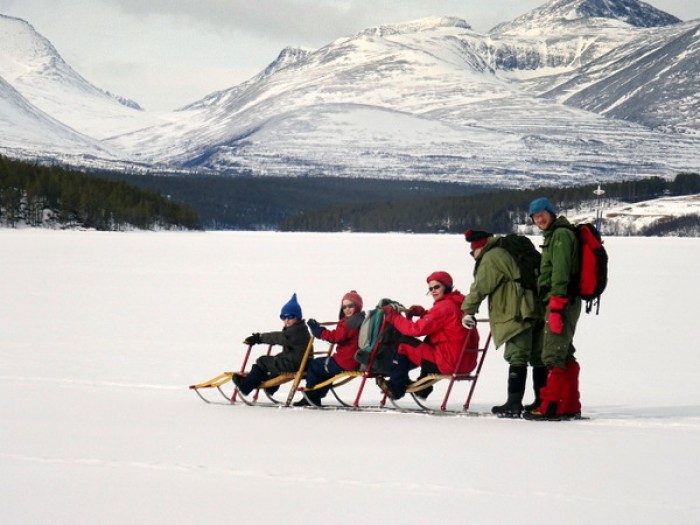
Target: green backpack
[(370, 336)]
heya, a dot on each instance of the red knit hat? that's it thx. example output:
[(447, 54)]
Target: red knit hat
[(441, 277), (353, 296), (476, 238)]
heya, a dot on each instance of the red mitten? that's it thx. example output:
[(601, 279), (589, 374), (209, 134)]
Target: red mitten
[(555, 321), (389, 312), (416, 310)]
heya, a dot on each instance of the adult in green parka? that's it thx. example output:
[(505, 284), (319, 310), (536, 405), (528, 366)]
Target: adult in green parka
[(515, 317), (558, 289)]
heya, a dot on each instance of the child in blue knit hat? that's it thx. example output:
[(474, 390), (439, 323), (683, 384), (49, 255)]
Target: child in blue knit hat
[(293, 338)]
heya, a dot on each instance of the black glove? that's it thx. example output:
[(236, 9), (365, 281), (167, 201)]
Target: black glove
[(253, 339), (316, 329)]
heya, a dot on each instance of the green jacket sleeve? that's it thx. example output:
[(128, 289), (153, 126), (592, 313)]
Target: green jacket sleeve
[(489, 276), (564, 257)]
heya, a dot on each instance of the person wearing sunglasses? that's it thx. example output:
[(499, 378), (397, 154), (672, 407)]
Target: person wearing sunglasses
[(293, 338), (444, 338), (345, 339)]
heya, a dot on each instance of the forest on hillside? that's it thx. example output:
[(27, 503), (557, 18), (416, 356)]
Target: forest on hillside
[(376, 205), (48, 196), (497, 210), (245, 202)]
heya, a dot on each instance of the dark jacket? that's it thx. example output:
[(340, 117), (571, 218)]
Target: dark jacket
[(345, 338), (293, 340)]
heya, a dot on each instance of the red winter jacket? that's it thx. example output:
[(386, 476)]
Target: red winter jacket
[(442, 325), (345, 338)]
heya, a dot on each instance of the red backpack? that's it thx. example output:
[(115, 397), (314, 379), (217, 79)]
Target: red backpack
[(593, 270)]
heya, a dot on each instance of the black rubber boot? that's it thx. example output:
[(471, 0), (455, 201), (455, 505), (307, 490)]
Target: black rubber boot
[(517, 376), (539, 379)]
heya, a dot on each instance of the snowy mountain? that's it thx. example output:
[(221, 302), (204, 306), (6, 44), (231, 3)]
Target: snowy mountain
[(574, 91), (31, 64), (555, 14), (29, 133), (655, 81)]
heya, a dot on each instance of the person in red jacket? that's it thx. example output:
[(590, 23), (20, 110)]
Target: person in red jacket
[(444, 338), (345, 338)]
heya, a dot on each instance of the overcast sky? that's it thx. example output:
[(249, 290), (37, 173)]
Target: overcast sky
[(167, 53)]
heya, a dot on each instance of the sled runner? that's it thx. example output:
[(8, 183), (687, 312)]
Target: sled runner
[(266, 386)]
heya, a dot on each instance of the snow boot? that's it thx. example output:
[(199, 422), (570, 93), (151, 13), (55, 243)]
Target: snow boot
[(539, 380), (551, 394), (571, 400), (423, 393), (517, 376)]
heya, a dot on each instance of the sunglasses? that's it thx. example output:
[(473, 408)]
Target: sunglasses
[(346, 306), (287, 317), (433, 288)]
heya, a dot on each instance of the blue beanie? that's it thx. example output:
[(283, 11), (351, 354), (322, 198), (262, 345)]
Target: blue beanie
[(291, 308), (541, 204)]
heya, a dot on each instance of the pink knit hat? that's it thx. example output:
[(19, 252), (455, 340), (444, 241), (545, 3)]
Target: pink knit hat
[(353, 296)]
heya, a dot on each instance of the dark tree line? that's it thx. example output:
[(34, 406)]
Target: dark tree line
[(684, 226), (111, 200), (43, 195), (245, 202), (496, 211)]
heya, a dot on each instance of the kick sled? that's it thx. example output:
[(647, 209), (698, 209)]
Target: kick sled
[(375, 367), (268, 387), (375, 360)]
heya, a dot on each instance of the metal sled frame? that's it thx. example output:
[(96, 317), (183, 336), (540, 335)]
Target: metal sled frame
[(225, 377), (345, 377), (431, 379)]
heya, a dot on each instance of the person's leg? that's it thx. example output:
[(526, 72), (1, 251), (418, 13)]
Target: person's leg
[(518, 350), (427, 367), (557, 350), (252, 380), (401, 365)]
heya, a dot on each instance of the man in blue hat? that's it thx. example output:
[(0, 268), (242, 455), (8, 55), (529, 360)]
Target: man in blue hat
[(558, 288)]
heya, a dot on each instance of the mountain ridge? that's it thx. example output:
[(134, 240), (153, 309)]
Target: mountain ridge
[(433, 99)]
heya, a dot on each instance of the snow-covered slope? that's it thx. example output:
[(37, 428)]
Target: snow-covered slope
[(31, 64), (631, 219), (573, 91), (421, 99), (30, 133), (655, 81)]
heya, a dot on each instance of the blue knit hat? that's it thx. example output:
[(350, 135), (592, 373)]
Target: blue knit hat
[(291, 308), (541, 204)]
